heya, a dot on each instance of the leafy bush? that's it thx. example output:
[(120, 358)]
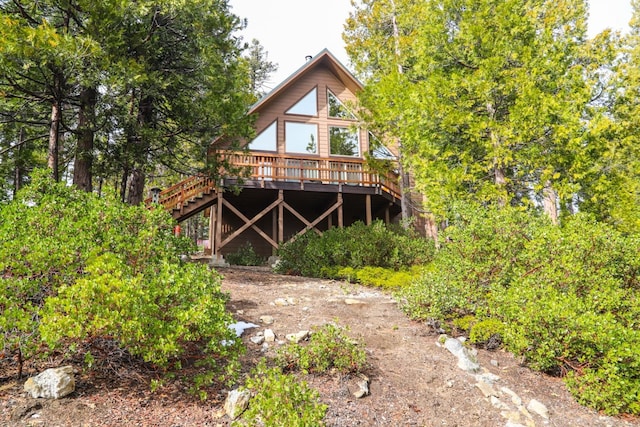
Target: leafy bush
[(565, 298), (75, 267), (357, 246), (245, 255), (329, 348), (380, 277), (280, 400)]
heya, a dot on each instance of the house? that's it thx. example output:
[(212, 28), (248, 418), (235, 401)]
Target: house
[(306, 168)]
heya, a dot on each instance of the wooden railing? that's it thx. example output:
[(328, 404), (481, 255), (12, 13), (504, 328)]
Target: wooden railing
[(267, 167), (275, 167), (175, 196)]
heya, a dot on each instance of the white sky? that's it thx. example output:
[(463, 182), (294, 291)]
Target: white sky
[(289, 30)]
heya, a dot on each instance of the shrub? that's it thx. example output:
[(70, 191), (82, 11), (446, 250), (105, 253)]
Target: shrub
[(329, 348), (280, 400), (565, 298), (245, 255), (357, 246), (75, 267), (379, 277)]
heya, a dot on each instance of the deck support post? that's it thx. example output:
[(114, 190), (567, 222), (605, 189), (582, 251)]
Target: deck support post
[(218, 224), (340, 211), (280, 217), (368, 209)]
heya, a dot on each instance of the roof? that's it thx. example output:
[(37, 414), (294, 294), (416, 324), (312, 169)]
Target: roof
[(324, 58)]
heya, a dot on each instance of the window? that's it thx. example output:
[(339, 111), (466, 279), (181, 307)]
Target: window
[(266, 140), (301, 138), (337, 108), (378, 150), (344, 141), (307, 106)]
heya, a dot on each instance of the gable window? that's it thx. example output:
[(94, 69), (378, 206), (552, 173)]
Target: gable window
[(337, 109), (266, 140), (378, 150), (307, 106), (301, 138), (344, 141)]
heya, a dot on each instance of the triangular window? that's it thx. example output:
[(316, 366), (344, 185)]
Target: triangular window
[(307, 106), (266, 140), (378, 150), (337, 108)]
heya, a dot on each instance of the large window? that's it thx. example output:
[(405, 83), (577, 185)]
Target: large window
[(307, 106), (266, 140), (344, 141), (337, 108), (301, 138)]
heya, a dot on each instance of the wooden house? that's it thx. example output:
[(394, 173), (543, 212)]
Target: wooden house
[(306, 168)]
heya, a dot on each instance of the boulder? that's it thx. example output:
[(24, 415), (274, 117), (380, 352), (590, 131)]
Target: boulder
[(52, 384), (237, 402)]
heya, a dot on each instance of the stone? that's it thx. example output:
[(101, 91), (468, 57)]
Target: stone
[(269, 336), (280, 302), (267, 320), (486, 389), (494, 363), (297, 337), (257, 339), (51, 384), (538, 408), (240, 327), (363, 388), (497, 403), (236, 403), (514, 397), (352, 301), (466, 361)]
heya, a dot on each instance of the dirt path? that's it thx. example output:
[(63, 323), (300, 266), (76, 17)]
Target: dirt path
[(413, 380)]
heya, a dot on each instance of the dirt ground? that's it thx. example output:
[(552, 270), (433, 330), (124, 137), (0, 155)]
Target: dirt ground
[(413, 380)]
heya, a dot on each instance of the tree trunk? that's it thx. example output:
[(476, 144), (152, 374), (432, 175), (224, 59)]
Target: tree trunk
[(18, 164), (135, 194), (82, 167), (549, 202), (54, 140)]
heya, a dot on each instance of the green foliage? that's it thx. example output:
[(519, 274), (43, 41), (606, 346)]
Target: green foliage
[(280, 400), (565, 298), (384, 278), (75, 267), (329, 349), (245, 255), (356, 246)]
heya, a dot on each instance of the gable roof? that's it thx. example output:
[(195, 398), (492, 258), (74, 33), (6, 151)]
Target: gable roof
[(324, 58)]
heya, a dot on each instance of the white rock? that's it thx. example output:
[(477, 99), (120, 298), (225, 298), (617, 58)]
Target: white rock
[(352, 301), (52, 383), (466, 361), (538, 408), (297, 337), (486, 389), (240, 327), (257, 339), (236, 403), (269, 336), (280, 302), (267, 320), (514, 397)]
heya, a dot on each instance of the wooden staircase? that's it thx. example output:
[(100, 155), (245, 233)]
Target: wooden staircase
[(188, 197)]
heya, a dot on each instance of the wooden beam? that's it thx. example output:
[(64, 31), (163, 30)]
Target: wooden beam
[(250, 223), (317, 220), (300, 217), (280, 217), (340, 212), (368, 209), (218, 245)]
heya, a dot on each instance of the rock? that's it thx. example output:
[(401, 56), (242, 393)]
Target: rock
[(466, 361), (237, 402), (267, 320), (538, 408), (352, 301), (514, 397), (297, 337), (257, 339), (281, 302), (240, 327), (497, 403), (486, 389), (52, 383), (269, 336), (494, 363), (363, 388)]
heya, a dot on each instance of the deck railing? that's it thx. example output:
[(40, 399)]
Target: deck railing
[(276, 167), (273, 167)]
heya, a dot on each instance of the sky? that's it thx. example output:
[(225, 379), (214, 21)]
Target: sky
[(289, 30)]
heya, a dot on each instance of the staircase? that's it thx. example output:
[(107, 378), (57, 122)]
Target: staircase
[(188, 197)]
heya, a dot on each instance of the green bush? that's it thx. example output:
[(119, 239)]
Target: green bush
[(384, 278), (75, 267), (245, 255), (329, 349), (565, 298), (280, 400), (357, 246)]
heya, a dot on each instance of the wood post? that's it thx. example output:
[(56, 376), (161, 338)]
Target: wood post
[(280, 217), (340, 212), (219, 224), (368, 209)]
